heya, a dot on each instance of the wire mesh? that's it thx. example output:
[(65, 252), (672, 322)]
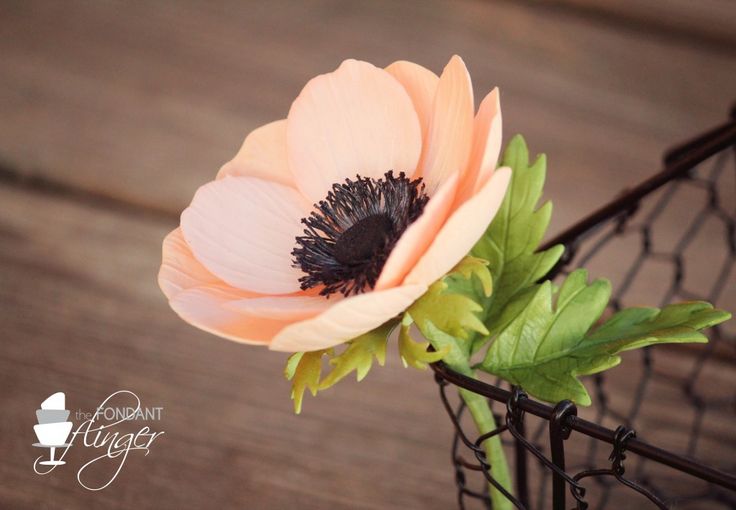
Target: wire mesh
[(672, 238)]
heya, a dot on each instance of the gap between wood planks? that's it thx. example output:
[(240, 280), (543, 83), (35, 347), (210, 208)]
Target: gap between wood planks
[(42, 184), (156, 111), (705, 26)]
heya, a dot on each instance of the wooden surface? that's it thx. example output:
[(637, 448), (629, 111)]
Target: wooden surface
[(708, 23), (144, 102), (113, 113)]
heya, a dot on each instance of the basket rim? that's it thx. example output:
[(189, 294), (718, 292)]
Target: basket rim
[(677, 164)]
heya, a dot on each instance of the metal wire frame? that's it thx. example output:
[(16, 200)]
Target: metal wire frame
[(680, 164)]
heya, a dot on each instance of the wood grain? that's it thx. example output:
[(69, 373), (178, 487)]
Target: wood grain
[(706, 22), (81, 313), (144, 102), (114, 112)]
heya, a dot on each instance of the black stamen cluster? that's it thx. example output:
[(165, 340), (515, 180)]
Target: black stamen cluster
[(350, 235)]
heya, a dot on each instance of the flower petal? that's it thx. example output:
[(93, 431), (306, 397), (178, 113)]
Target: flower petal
[(421, 85), (243, 229), (486, 144), (347, 319), (447, 146), (203, 307), (355, 120), (262, 155), (289, 308), (179, 269), (417, 238), (461, 231)]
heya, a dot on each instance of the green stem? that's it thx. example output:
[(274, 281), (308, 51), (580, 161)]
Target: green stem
[(480, 410), (484, 422)]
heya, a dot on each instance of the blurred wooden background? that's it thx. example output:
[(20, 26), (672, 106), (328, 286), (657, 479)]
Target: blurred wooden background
[(112, 113)]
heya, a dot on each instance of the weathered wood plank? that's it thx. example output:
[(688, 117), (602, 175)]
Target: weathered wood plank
[(711, 22), (144, 102), (81, 313)]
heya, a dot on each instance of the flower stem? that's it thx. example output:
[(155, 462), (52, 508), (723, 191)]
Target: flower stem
[(484, 422), (480, 410)]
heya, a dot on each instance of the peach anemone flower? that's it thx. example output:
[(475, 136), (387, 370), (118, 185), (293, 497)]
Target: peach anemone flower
[(333, 221)]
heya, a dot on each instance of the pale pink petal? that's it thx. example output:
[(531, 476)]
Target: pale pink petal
[(486, 145), (243, 230), (356, 120), (347, 319), (203, 307), (179, 269), (461, 231), (483, 177), (289, 308), (421, 85), (447, 146), (262, 155), (417, 238)]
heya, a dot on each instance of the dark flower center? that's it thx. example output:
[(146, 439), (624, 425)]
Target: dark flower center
[(359, 243), (350, 235)]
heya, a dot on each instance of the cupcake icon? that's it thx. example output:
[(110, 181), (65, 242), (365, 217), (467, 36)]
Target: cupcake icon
[(53, 428)]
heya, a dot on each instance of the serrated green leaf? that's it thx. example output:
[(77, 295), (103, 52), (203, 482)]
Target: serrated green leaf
[(452, 312), (291, 365), (473, 266), (633, 328), (511, 241), (456, 348), (546, 347), (359, 355), (303, 369), (512, 309), (415, 354)]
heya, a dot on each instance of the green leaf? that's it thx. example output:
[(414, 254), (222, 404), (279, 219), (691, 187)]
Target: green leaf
[(511, 241), (415, 354), (451, 311), (473, 266), (546, 347), (291, 365), (303, 369), (634, 328), (456, 357), (359, 355)]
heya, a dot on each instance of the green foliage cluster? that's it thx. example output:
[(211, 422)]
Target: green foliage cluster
[(535, 335)]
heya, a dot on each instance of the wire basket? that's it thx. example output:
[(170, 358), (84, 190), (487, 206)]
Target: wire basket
[(671, 238)]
